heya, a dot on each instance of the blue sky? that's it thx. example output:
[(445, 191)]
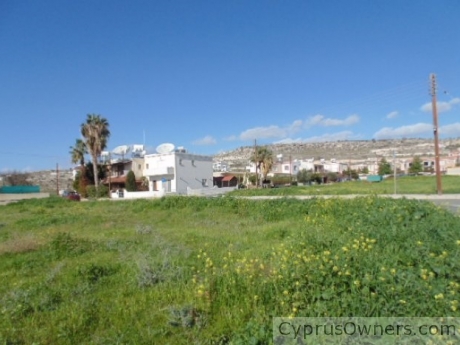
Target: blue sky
[(215, 75)]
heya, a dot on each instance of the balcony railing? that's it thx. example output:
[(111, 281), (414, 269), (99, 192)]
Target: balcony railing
[(159, 171)]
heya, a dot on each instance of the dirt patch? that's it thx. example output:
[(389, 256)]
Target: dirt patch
[(7, 198), (19, 244)]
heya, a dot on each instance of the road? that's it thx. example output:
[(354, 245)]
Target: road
[(450, 201), (451, 204)]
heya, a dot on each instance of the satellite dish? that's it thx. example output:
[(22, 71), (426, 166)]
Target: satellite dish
[(165, 148), (121, 150)]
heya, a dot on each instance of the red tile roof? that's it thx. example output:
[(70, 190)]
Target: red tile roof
[(228, 178), (117, 179)]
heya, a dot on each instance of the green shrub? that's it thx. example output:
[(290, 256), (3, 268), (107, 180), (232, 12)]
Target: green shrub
[(100, 192), (131, 182)]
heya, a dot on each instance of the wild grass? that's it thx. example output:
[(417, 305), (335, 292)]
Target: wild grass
[(216, 270), (404, 185)]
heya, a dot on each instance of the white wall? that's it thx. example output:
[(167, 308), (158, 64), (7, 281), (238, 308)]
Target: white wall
[(307, 165), (191, 170), (137, 195)]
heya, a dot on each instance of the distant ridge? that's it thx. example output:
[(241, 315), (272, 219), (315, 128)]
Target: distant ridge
[(346, 150)]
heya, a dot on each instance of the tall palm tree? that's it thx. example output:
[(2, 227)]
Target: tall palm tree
[(95, 132), (263, 158)]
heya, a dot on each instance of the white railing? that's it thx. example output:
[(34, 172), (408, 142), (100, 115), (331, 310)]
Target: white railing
[(159, 171)]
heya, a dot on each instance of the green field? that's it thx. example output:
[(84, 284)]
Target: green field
[(404, 185), (184, 270)]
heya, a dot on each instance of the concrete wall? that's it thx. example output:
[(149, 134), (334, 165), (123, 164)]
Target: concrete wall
[(214, 191), (137, 195)]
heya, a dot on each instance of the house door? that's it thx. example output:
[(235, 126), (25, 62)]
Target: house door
[(166, 185)]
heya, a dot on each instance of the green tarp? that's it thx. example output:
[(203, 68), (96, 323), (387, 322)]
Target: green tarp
[(19, 189)]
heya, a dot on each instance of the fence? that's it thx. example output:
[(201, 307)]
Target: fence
[(214, 191), (19, 189)]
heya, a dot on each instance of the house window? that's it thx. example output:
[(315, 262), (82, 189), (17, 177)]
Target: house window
[(203, 182), (138, 167), (193, 163), (286, 168), (147, 166)]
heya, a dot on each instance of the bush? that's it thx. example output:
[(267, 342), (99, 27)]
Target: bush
[(281, 180), (101, 192), (318, 178), (332, 177), (252, 178), (131, 182)]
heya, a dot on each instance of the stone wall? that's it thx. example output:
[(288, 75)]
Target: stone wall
[(49, 181)]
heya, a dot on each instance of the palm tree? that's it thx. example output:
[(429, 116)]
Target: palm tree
[(96, 132), (78, 152), (264, 160)]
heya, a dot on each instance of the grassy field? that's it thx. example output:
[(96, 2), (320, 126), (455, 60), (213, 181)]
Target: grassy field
[(404, 185), (184, 270)]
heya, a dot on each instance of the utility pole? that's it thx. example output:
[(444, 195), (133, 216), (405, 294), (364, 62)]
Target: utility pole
[(57, 179), (435, 130), (394, 171), (109, 168), (255, 161)]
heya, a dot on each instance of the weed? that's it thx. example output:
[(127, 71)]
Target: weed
[(216, 270), (92, 273), (187, 317), (65, 245), (143, 229)]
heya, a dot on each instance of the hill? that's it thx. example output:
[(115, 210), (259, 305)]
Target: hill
[(348, 150)]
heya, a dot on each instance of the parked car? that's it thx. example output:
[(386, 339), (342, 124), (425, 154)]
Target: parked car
[(71, 195)]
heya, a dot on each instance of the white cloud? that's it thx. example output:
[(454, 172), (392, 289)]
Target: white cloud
[(415, 130), (271, 132), (321, 120), (344, 135), (452, 130), (207, 140), (278, 132), (314, 120), (392, 115), (263, 133), (440, 106), (288, 141)]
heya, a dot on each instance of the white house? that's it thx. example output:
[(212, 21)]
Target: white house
[(287, 167), (178, 171), (307, 164), (220, 166)]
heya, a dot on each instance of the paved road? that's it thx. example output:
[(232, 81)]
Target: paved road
[(451, 204)]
